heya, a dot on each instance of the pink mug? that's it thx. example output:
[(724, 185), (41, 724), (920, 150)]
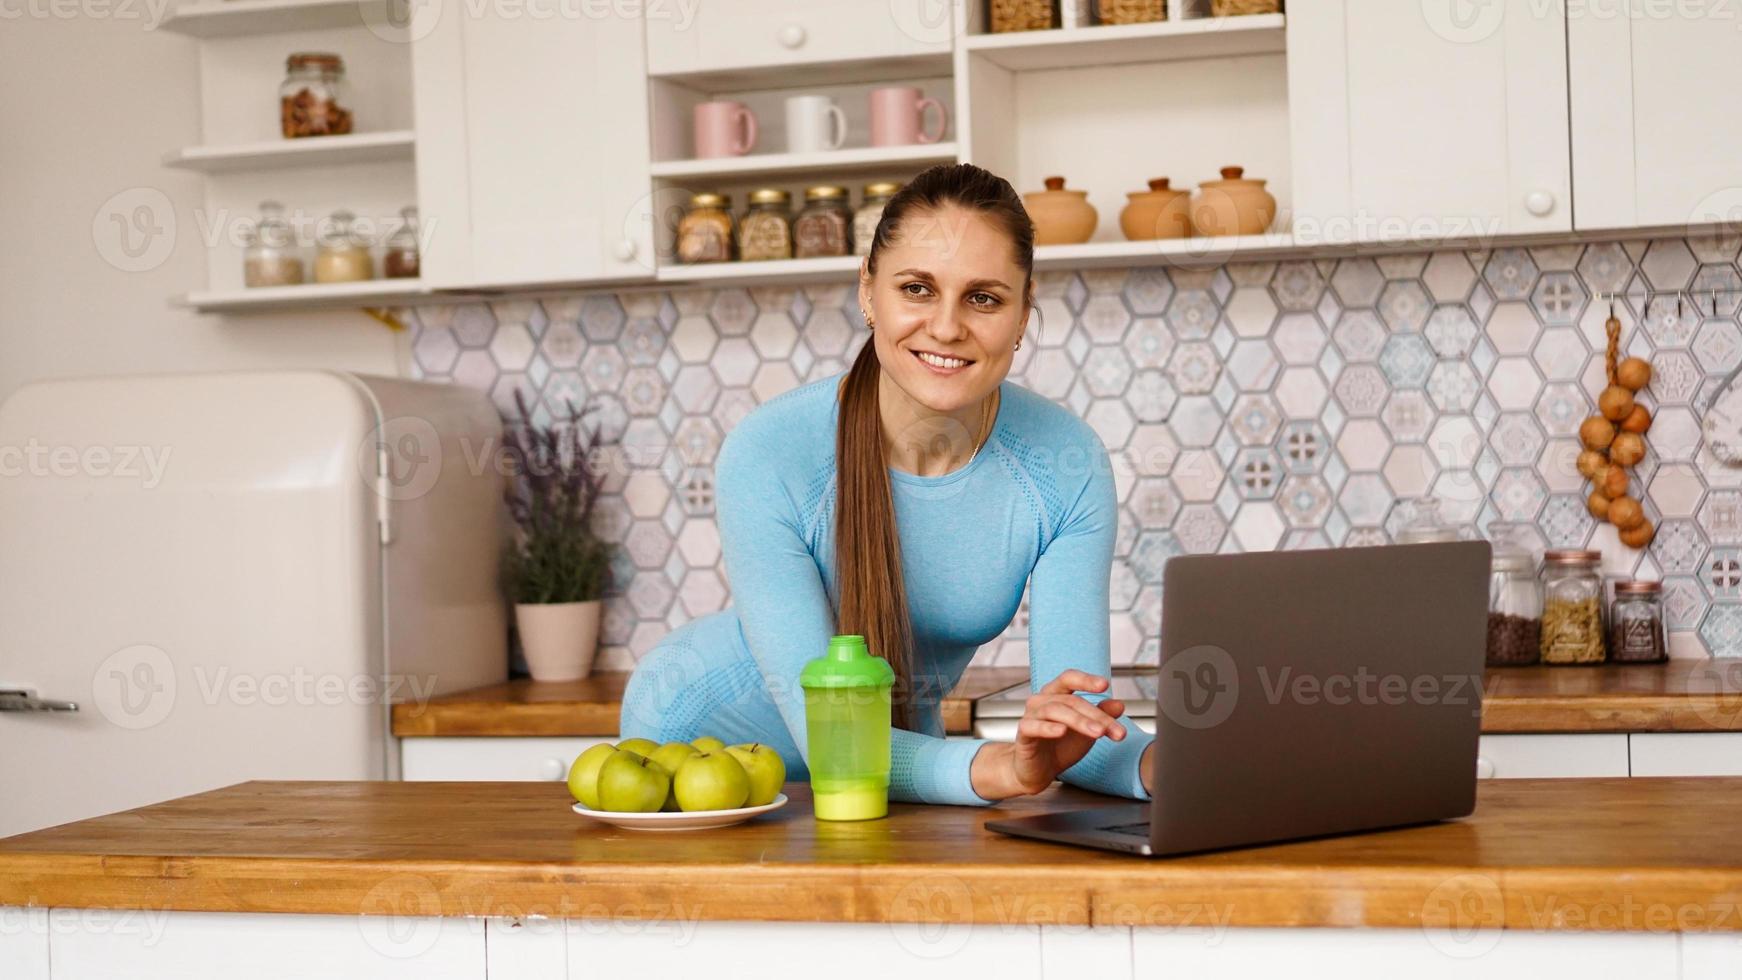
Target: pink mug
[(896, 114), (724, 129)]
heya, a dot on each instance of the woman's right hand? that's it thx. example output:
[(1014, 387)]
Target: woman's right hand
[(1057, 729)]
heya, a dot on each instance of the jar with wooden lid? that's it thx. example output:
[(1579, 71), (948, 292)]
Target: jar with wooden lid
[(269, 252), (765, 233), (870, 212), (1572, 607), (399, 259), (1514, 600), (704, 233), (1636, 624), (823, 227), (312, 98), (343, 255)]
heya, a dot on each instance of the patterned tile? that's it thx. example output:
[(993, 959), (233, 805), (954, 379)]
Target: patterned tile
[(1255, 405)]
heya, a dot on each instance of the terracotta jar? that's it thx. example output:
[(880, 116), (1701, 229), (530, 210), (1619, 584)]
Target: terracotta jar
[(1160, 212), (1060, 217), (1233, 205)]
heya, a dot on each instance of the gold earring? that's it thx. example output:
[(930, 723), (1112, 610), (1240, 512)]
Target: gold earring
[(869, 324), (1018, 344)]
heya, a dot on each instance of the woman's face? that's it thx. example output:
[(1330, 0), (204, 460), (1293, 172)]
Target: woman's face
[(948, 304)]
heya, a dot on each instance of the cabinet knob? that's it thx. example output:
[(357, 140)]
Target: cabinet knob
[(1539, 203), (1484, 768), (554, 769), (625, 250), (792, 36)]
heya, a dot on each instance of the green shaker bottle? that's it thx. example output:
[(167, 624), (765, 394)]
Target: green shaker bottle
[(847, 722)]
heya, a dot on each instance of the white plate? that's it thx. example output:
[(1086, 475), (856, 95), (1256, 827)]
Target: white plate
[(694, 820)]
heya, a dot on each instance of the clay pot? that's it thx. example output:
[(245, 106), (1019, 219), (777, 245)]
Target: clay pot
[(1233, 205), (1060, 217), (559, 639), (1160, 212)]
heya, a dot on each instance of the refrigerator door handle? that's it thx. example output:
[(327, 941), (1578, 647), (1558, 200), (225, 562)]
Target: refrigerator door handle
[(13, 699)]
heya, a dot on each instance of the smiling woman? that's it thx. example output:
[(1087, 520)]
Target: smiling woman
[(910, 500)]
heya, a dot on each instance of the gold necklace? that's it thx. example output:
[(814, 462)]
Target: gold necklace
[(985, 408)]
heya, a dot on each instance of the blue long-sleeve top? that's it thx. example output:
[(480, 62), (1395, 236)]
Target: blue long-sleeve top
[(1036, 505)]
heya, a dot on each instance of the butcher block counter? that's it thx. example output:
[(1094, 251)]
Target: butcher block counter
[(1615, 871), (1680, 696)]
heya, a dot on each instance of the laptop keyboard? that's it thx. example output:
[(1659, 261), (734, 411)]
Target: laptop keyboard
[(1130, 830)]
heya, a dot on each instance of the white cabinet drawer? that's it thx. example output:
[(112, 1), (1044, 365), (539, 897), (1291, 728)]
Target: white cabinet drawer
[(490, 759), (1686, 754), (1551, 756), (728, 34)]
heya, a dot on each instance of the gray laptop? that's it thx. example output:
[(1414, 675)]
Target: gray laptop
[(1302, 694)]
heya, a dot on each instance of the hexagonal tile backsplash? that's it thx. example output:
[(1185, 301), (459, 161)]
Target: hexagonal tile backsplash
[(1251, 406)]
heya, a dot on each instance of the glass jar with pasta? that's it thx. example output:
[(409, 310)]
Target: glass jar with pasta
[(1572, 608)]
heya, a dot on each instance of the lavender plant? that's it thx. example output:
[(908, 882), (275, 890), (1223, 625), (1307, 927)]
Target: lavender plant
[(554, 478)]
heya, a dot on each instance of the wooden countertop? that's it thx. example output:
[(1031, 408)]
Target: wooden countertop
[(591, 706), (1616, 854), (1680, 696)]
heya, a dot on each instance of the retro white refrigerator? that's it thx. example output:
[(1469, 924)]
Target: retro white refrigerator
[(211, 578)]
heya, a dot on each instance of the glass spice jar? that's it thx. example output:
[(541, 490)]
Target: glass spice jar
[(824, 227), (1572, 608), (399, 259), (343, 255), (1425, 525), (1636, 624), (765, 234), (268, 255), (870, 212), (704, 233), (311, 99), (1514, 604)]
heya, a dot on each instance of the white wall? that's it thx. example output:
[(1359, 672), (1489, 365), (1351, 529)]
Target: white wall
[(88, 107)]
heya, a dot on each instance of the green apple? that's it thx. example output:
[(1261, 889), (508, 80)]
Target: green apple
[(711, 781), (584, 774), (644, 747), (629, 783), (707, 743), (767, 771), (670, 757)]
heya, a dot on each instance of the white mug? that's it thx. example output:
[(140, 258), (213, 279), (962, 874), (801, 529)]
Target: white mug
[(814, 123)]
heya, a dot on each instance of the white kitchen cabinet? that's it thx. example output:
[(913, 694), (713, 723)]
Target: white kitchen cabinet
[(700, 37), (516, 759), (532, 149), (395, 939), (1652, 146), (1686, 754), (1424, 121), (1551, 756)]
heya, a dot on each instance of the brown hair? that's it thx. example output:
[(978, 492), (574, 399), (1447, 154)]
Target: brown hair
[(872, 597)]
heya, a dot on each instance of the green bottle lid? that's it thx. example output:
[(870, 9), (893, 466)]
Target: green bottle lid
[(847, 664)]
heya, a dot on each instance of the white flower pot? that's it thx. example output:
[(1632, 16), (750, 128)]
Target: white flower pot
[(559, 639)]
